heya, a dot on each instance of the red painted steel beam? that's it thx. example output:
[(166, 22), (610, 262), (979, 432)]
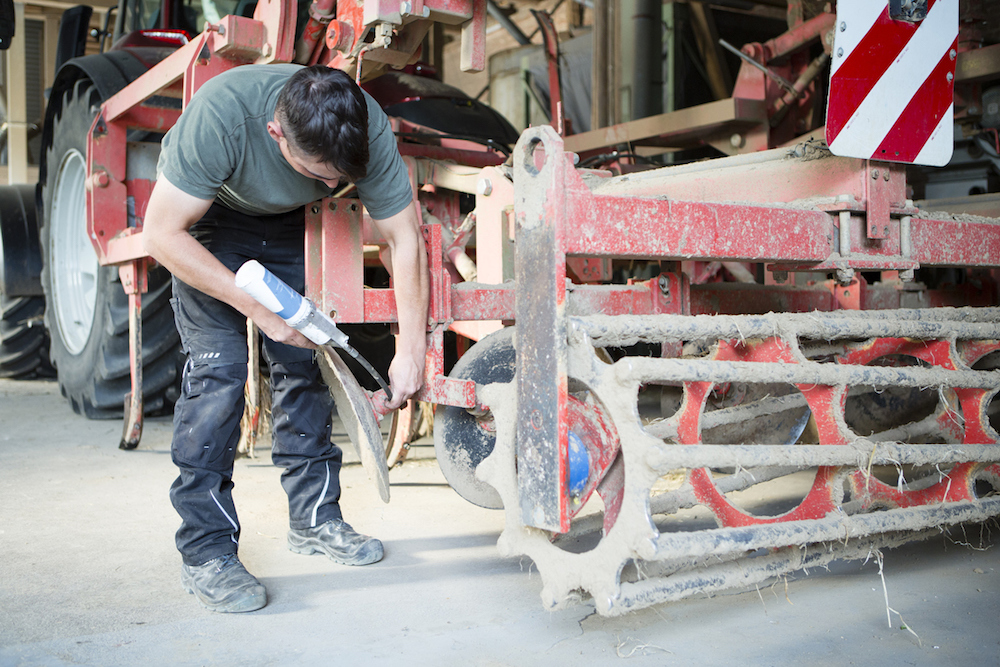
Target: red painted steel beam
[(801, 35), (651, 228), (163, 75), (955, 242), (151, 119)]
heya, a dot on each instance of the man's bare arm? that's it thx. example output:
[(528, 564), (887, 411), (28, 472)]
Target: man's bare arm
[(410, 282), (170, 214)]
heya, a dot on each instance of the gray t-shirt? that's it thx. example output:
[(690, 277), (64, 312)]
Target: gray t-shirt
[(220, 149)]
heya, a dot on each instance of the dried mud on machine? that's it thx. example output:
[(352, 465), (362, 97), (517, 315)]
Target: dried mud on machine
[(684, 379)]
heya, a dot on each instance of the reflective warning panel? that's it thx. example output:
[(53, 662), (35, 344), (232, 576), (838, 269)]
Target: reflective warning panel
[(892, 80)]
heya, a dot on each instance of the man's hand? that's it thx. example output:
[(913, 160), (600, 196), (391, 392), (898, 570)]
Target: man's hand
[(275, 328), (406, 376)]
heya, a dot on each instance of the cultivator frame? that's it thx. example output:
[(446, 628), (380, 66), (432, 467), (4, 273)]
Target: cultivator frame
[(558, 215), (803, 210), (568, 426)]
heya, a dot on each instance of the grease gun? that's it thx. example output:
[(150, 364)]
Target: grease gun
[(298, 312)]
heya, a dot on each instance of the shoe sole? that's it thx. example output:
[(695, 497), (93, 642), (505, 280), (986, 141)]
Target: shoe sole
[(312, 546)]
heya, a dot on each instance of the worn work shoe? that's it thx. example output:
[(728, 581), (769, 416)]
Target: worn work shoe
[(223, 584), (337, 540)]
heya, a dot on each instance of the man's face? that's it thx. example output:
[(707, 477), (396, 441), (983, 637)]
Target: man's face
[(307, 166)]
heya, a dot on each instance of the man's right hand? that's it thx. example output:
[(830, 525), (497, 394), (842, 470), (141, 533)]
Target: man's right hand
[(278, 330)]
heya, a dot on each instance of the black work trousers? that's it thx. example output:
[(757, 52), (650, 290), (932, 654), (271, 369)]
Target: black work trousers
[(207, 415)]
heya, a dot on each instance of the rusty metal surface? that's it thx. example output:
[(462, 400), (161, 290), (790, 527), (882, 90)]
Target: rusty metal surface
[(354, 407), (978, 65), (540, 273)]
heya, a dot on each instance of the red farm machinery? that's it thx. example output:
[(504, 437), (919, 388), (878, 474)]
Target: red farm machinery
[(651, 430)]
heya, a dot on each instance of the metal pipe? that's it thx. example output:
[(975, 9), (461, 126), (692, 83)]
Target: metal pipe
[(777, 78), (838, 527), (601, 36), (652, 371), (501, 17), (668, 457), (647, 47), (744, 572), (943, 323)]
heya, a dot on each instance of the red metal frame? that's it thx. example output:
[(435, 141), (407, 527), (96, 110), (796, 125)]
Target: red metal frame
[(860, 221)]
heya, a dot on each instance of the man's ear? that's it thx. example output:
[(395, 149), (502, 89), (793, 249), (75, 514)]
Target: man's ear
[(274, 129)]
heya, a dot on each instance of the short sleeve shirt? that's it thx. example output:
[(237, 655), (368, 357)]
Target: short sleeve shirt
[(220, 149)]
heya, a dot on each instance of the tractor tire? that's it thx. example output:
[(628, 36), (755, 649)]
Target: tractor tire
[(24, 343), (86, 308)]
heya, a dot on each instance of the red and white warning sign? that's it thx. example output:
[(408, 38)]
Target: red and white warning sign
[(892, 81)]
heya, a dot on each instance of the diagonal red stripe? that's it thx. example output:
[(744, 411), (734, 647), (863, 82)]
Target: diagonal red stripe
[(914, 126), (863, 67)]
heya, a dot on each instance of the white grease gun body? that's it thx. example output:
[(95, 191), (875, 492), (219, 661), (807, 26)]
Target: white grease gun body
[(298, 312)]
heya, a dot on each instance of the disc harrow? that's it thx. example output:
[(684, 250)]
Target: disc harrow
[(840, 434)]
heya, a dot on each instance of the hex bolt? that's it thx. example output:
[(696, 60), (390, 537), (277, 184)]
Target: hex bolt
[(952, 54), (484, 187), (886, 175), (843, 26), (950, 76), (315, 209), (875, 174), (840, 52)]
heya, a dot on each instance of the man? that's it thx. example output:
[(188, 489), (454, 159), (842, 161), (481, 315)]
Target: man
[(253, 146)]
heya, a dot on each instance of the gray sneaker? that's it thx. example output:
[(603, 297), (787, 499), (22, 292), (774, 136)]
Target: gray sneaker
[(223, 584), (337, 540)]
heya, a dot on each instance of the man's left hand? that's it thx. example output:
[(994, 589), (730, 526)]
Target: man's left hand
[(406, 377)]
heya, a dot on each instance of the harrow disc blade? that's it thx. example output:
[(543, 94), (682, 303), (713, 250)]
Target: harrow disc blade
[(462, 440)]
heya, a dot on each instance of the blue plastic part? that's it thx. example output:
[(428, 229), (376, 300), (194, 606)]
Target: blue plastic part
[(579, 464), (289, 299)]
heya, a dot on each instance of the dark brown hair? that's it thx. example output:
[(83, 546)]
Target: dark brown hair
[(323, 115)]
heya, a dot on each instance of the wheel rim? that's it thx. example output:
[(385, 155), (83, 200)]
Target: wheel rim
[(74, 266)]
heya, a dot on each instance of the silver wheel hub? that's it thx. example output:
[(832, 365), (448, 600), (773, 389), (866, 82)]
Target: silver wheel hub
[(73, 263)]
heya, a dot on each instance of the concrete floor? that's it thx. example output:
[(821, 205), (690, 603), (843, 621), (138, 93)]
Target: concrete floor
[(89, 576)]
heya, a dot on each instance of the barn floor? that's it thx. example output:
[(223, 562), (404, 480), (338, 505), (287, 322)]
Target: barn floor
[(89, 576)]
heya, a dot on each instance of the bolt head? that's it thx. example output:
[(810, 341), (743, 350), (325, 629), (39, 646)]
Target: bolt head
[(875, 174), (484, 187), (843, 26)]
